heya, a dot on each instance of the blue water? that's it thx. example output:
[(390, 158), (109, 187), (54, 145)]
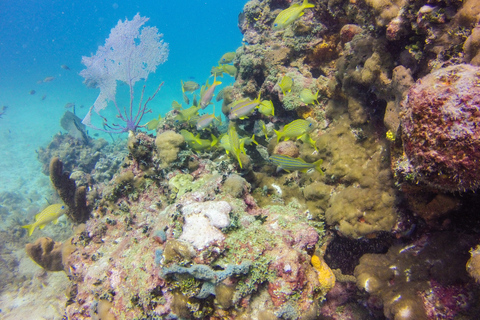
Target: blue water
[(37, 37)]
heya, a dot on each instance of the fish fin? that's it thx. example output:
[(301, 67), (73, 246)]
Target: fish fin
[(183, 88), (214, 140), (30, 228), (279, 135), (253, 140), (239, 161), (42, 226), (55, 221), (318, 166), (37, 216), (307, 5)]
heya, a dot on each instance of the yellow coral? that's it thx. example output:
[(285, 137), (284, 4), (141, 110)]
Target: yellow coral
[(325, 274)]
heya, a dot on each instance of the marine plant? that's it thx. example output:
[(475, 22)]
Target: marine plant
[(128, 56)]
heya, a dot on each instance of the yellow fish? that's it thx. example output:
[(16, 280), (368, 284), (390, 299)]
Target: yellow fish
[(227, 58), (286, 84), (153, 124), (189, 86), (266, 108), (229, 69), (295, 129), (234, 143), (49, 214), (292, 13), (308, 97)]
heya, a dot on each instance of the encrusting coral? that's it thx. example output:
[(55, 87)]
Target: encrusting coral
[(440, 119)]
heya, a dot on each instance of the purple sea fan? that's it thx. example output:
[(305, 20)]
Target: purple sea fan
[(128, 56)]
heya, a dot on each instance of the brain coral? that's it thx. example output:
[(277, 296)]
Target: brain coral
[(440, 121)]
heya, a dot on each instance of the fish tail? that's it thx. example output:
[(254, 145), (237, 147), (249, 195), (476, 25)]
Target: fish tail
[(238, 158), (30, 228), (214, 140), (279, 135), (318, 166), (253, 140), (307, 5)]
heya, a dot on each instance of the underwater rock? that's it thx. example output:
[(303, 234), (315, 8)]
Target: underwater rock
[(203, 221), (440, 119), (287, 148), (432, 264), (235, 185)]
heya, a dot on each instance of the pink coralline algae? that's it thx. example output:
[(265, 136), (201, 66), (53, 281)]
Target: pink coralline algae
[(441, 136)]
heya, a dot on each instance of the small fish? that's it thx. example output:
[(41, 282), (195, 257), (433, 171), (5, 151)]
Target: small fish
[(176, 105), (82, 106), (44, 97), (308, 97), (234, 142), (230, 70), (205, 120), (289, 15), (69, 105), (217, 71), (208, 94), (49, 214), (48, 79), (153, 124), (203, 144), (266, 108), (189, 86), (246, 142), (4, 109), (262, 125), (195, 101), (185, 98), (295, 129), (291, 164), (243, 110), (189, 137), (32, 92), (227, 58), (187, 114), (65, 67), (286, 84)]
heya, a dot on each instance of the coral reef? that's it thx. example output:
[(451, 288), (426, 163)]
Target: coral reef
[(168, 145), (197, 223), (433, 268), (76, 154), (440, 135)]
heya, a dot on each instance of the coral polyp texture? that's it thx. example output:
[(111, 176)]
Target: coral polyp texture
[(441, 134)]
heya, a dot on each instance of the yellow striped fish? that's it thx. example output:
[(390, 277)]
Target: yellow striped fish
[(291, 164), (295, 129), (234, 143), (286, 84), (292, 13), (49, 214)]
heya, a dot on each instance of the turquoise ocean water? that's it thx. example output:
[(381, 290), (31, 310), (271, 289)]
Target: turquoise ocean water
[(36, 39)]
